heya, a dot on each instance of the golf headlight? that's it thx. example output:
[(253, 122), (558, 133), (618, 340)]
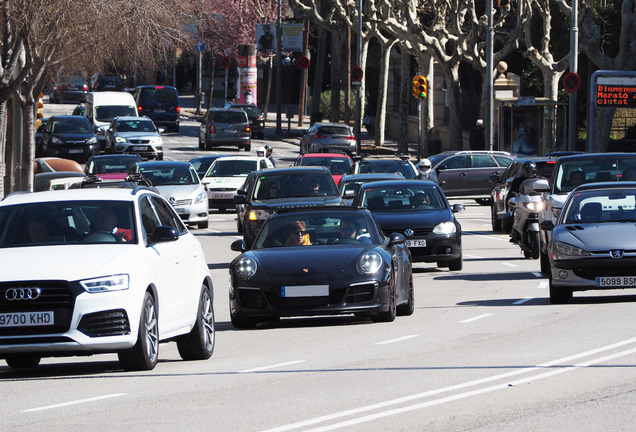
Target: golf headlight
[(259, 215), (56, 140), (533, 206), (107, 283), (201, 197), (92, 140), (370, 262), (245, 268), (444, 228), (120, 139), (569, 250)]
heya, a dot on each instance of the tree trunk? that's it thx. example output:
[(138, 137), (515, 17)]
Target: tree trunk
[(268, 92), (3, 140), (211, 86), (335, 73), (405, 81), (451, 73), (321, 54), (380, 116)]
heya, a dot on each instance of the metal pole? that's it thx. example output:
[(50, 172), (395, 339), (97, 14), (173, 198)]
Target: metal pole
[(489, 78), (357, 126), (574, 56), (419, 129), (279, 70)]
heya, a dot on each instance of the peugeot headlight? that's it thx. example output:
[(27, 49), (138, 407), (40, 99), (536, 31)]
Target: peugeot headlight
[(533, 206), (259, 214), (370, 262), (200, 197), (120, 139), (444, 228), (107, 283), (569, 250), (245, 268)]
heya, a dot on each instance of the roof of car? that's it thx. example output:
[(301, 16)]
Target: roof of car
[(325, 155), (587, 156), (248, 158), (400, 183), (129, 118), (606, 185), (294, 169), (108, 194), (117, 156), (363, 176), (455, 152), (163, 163), (330, 124)]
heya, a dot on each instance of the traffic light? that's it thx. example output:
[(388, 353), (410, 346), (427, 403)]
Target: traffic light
[(420, 87), (39, 114)]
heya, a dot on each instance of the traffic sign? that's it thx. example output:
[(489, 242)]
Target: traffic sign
[(356, 74), (199, 46), (571, 82), (225, 62), (303, 62)]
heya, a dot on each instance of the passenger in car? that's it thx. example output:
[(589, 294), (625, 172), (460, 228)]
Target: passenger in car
[(106, 220), (297, 234)]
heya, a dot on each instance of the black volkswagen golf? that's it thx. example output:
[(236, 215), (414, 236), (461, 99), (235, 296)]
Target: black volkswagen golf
[(419, 210)]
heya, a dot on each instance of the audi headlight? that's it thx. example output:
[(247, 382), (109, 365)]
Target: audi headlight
[(259, 214), (569, 250), (201, 197), (245, 268), (444, 228), (370, 262), (107, 283), (533, 206)]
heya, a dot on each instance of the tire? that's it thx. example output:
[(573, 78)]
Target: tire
[(506, 225), (409, 307), (559, 295), (199, 343), (545, 263), (535, 245), (456, 264), (243, 323), (201, 144), (239, 226), (176, 128), (22, 361), (391, 312), (248, 147), (483, 201), (145, 353), (496, 223), (202, 225)]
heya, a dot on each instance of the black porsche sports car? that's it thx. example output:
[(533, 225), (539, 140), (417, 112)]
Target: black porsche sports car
[(419, 210), (320, 261)]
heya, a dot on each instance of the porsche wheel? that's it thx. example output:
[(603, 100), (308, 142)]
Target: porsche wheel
[(144, 355), (409, 307), (199, 343), (391, 312)]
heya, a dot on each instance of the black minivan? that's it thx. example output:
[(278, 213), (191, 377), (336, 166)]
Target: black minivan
[(160, 103)]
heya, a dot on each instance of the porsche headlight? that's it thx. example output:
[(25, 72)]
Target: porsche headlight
[(259, 215), (245, 268), (569, 250), (444, 228), (370, 262), (533, 206), (107, 283)]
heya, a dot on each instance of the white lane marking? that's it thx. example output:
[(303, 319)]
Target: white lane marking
[(538, 274), (542, 285), (460, 386), (509, 264), (80, 401), (523, 300), (475, 318), (473, 256), (272, 366), (400, 339)]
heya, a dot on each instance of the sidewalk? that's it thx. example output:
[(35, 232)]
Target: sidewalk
[(290, 131)]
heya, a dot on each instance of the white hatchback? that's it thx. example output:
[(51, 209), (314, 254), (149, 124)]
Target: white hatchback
[(90, 271), (226, 175)]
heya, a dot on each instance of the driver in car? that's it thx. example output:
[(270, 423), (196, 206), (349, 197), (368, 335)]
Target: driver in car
[(106, 221)]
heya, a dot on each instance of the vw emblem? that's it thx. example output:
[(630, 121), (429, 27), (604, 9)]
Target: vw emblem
[(22, 294), (408, 232), (616, 253)]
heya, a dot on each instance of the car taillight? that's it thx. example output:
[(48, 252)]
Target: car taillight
[(261, 117), (247, 129), (178, 109), (351, 138), (212, 129), (139, 108), (85, 87), (320, 136)]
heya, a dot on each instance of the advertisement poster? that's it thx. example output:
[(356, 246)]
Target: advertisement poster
[(266, 37), (247, 85), (293, 37)]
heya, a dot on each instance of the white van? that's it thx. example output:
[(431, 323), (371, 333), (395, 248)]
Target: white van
[(103, 107)]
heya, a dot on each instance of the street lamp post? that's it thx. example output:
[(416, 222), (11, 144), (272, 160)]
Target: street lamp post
[(574, 66), (490, 31), (279, 69)]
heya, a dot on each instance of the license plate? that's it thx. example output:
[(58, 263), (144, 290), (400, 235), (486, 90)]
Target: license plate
[(232, 131), (180, 210), (26, 319), (139, 148), (416, 243), (305, 291), (160, 110), (616, 281), (75, 151), (219, 195)]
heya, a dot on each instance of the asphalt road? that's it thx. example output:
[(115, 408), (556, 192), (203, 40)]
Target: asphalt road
[(484, 351)]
